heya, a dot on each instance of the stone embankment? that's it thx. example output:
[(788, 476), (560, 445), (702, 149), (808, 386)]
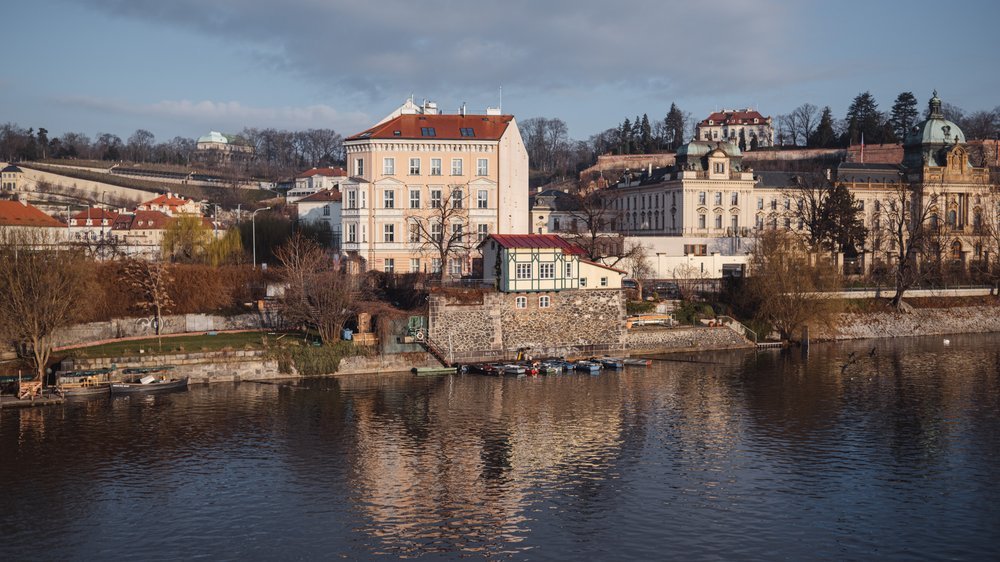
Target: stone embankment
[(669, 340), (918, 322), (204, 367), (118, 328)]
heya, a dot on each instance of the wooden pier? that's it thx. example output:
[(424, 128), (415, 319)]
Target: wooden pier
[(45, 400)]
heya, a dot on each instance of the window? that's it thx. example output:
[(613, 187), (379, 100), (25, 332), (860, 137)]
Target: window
[(720, 168), (774, 204), (718, 197), (467, 131), (482, 231), (734, 198), (428, 132), (543, 302), (583, 281), (326, 210), (437, 233), (389, 233), (788, 204), (457, 232), (735, 223), (718, 221), (546, 271), (455, 267), (435, 166), (414, 265), (523, 271), (695, 249), (569, 270), (435, 198), (483, 199), (701, 197), (604, 281), (414, 232), (760, 202), (352, 233), (359, 167), (435, 265), (388, 166), (389, 199), (362, 195), (456, 166), (701, 221), (414, 166), (521, 302), (390, 265), (456, 199), (414, 198), (482, 167)]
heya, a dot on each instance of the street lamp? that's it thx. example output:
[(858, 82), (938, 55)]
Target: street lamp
[(253, 228)]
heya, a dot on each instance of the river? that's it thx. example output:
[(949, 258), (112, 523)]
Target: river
[(863, 450)]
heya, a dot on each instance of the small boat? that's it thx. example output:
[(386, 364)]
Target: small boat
[(81, 390), (151, 370), (148, 383), (638, 362), (513, 369), (588, 367), (483, 369), (433, 371), (550, 367), (610, 362), (531, 369)]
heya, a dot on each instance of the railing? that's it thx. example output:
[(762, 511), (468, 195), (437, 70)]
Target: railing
[(739, 328)]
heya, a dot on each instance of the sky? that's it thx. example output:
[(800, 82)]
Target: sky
[(185, 67)]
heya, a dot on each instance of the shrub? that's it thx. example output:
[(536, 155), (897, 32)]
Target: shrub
[(639, 307), (311, 361)]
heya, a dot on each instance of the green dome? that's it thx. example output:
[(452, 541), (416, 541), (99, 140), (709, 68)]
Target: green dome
[(935, 129), (214, 136), (697, 149)]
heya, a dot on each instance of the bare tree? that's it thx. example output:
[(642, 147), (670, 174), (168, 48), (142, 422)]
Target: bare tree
[(903, 218), (318, 294), (444, 232), (636, 263), (152, 281), (41, 292), (801, 123), (594, 226)]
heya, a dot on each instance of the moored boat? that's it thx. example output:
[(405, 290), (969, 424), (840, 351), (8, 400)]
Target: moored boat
[(513, 369), (433, 371), (148, 383), (550, 367), (610, 362), (80, 390), (588, 367), (638, 362)]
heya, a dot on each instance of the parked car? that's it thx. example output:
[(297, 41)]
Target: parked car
[(630, 284), (666, 289)]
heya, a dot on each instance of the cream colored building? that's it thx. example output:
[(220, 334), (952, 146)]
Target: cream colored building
[(12, 179), (418, 167), (516, 263)]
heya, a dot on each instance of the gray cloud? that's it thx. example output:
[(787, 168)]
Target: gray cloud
[(451, 48)]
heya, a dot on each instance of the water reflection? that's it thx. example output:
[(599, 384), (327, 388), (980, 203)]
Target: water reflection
[(858, 450)]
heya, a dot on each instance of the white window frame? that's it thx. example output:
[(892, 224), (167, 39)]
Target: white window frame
[(482, 231), (521, 302), (604, 281), (436, 198), (456, 166), (435, 166), (414, 265), (482, 166), (414, 166), (389, 199), (389, 233), (359, 167), (352, 199), (483, 199), (522, 271), (389, 265), (388, 166), (352, 232), (546, 270), (543, 301), (414, 198)]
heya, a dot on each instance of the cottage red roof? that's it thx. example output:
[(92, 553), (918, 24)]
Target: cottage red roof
[(541, 241), (733, 118), (322, 196), (328, 172), (144, 220), (15, 213), (430, 127)]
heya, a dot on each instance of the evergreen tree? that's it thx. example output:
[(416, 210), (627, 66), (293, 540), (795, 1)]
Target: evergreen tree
[(864, 121), (625, 137), (674, 123), (824, 136), (646, 135), (743, 141), (841, 221), (904, 114)]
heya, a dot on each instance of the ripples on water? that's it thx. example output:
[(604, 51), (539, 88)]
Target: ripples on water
[(726, 455)]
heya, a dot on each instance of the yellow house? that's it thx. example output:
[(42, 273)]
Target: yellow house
[(419, 177)]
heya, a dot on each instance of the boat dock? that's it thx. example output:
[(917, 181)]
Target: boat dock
[(46, 400)]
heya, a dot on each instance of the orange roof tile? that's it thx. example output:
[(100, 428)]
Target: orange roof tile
[(447, 127), (329, 172), (15, 213), (733, 118), (541, 241), (322, 196)]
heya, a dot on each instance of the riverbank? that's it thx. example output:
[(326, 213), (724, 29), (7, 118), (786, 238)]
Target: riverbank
[(916, 322)]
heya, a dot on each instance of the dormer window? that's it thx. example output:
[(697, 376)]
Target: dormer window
[(756, 120), (710, 122)]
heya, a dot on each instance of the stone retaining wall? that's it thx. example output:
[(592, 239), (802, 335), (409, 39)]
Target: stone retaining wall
[(388, 363), (204, 367), (493, 327), (918, 322), (133, 327), (668, 340)]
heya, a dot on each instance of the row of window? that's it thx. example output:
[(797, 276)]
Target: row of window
[(415, 168), (522, 302), (523, 271), (734, 198), (356, 199), (417, 233), (454, 266)]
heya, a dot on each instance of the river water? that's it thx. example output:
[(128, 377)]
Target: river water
[(892, 452)]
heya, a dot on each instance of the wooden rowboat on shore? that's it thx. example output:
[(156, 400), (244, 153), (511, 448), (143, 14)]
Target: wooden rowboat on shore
[(145, 385)]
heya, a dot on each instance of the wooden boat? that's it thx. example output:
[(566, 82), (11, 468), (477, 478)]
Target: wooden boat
[(488, 369), (588, 367), (84, 390), (513, 369), (146, 384), (610, 362), (433, 371), (638, 362), (151, 370), (550, 367)]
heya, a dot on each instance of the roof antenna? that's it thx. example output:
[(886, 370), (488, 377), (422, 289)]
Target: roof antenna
[(501, 100)]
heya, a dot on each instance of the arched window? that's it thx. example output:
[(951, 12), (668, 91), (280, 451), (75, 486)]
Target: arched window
[(952, 218), (956, 250)]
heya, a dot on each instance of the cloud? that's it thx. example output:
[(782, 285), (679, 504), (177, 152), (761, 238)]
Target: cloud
[(449, 48), (229, 115)]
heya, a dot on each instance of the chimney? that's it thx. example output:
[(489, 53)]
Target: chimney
[(463, 109)]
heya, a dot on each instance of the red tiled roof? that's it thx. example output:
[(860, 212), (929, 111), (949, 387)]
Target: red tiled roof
[(144, 220), (15, 213), (166, 200), (322, 196), (329, 172), (449, 127), (94, 213), (733, 118), (543, 241)]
